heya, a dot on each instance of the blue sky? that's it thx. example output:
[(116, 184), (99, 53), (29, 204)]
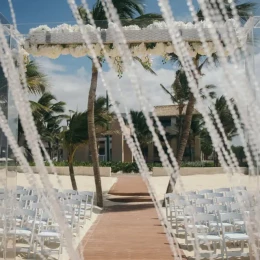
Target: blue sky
[(69, 77)]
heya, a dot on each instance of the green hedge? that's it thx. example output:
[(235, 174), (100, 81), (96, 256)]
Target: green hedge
[(130, 167)]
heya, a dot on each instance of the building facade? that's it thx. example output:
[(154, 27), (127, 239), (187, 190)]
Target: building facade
[(120, 152), (168, 116)]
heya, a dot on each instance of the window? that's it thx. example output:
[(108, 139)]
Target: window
[(166, 121)]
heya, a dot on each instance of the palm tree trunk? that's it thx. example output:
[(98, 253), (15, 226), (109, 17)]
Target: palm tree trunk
[(185, 134), (72, 175), (92, 135)]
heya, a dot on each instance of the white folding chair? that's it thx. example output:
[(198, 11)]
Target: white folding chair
[(169, 199), (89, 197), (72, 209), (26, 229), (179, 206), (236, 234), (204, 235), (49, 235)]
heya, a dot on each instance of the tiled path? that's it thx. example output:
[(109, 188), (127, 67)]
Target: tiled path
[(127, 230)]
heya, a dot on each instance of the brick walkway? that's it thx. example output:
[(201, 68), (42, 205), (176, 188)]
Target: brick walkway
[(127, 230)]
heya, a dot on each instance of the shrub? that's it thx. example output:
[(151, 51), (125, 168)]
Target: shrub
[(127, 167)]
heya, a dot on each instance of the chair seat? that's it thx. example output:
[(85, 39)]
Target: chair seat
[(21, 232), (38, 222), (207, 237), (215, 224), (49, 234), (239, 223), (197, 226), (236, 236), (183, 217)]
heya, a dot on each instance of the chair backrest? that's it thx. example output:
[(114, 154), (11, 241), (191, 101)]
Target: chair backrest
[(222, 190), (19, 187), (190, 210), (187, 193), (29, 199), (230, 217), (229, 194), (204, 218), (181, 203), (21, 192), (215, 195), (196, 196), (70, 192), (213, 209), (225, 200), (235, 207), (205, 192), (203, 201), (89, 195), (239, 188)]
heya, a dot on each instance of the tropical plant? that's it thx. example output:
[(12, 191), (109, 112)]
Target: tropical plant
[(179, 94), (74, 137), (126, 9), (36, 80), (48, 115), (245, 10), (77, 133)]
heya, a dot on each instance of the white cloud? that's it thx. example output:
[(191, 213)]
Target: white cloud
[(73, 88), (49, 66)]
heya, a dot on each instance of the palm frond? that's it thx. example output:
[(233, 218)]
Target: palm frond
[(36, 80)]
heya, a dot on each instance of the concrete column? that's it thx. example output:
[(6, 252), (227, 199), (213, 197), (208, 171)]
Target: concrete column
[(150, 158), (197, 149), (128, 156)]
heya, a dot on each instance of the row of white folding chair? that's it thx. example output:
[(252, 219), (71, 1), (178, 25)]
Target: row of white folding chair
[(201, 224), (202, 206)]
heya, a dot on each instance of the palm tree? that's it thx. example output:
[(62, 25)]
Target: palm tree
[(36, 80), (245, 10), (143, 133), (48, 115), (77, 133), (179, 95), (127, 9)]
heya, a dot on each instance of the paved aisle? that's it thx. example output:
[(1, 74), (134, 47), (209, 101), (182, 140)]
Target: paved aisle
[(127, 230)]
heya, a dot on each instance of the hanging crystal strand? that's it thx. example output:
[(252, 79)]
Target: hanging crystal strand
[(252, 116), (201, 34), (48, 186), (22, 72), (97, 64), (14, 85), (240, 59), (230, 41), (232, 81), (205, 90), (124, 51), (232, 93), (171, 169)]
